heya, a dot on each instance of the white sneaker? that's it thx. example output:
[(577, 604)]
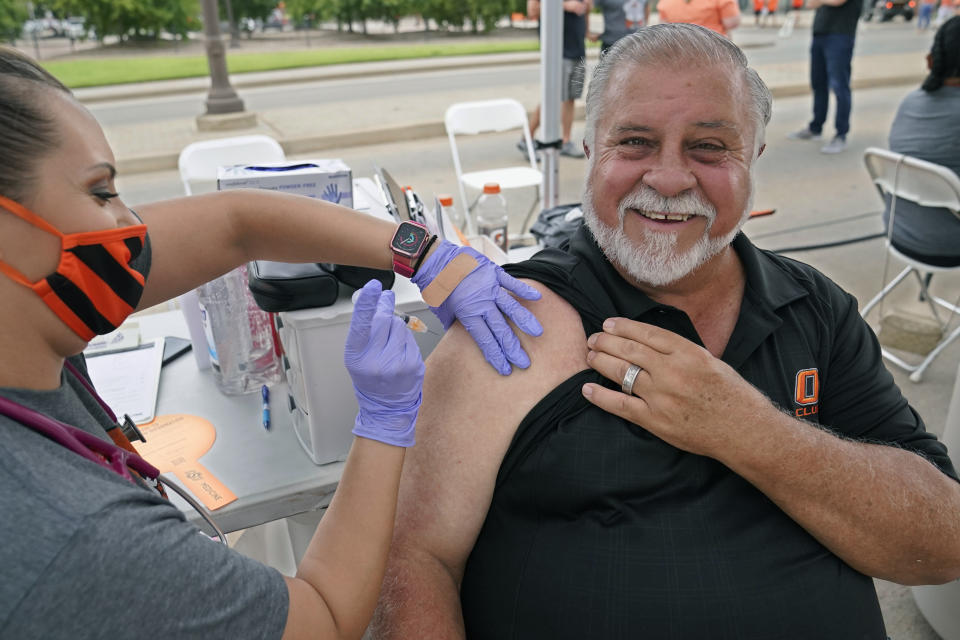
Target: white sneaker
[(805, 134), (571, 150), (837, 145)]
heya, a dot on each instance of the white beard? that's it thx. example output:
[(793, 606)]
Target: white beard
[(653, 259)]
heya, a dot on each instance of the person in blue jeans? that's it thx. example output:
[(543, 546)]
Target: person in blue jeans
[(831, 52)]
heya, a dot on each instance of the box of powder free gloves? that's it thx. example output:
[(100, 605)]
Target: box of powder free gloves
[(329, 179)]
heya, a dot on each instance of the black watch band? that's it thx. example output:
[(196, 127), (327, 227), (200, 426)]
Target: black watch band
[(423, 254)]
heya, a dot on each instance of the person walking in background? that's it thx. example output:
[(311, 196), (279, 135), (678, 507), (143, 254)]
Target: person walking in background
[(831, 52), (620, 18), (721, 16), (764, 12), (927, 126), (926, 12), (574, 70)]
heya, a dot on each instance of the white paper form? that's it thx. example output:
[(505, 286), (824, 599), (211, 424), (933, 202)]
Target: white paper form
[(128, 381)]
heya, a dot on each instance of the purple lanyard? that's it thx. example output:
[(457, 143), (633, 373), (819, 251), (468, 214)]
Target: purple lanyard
[(106, 454)]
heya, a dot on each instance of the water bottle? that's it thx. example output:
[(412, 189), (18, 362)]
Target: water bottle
[(491, 212), (452, 214), (239, 335), (190, 306)]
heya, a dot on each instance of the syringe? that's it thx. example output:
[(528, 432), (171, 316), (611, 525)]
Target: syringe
[(413, 323)]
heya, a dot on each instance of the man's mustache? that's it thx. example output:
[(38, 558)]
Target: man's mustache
[(647, 199)]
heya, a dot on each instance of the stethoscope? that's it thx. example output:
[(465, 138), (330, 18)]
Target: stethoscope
[(99, 451)]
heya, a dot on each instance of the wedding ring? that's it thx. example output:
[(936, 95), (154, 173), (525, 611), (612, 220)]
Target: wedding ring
[(629, 377)]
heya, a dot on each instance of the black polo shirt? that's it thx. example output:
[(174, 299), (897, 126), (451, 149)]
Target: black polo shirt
[(599, 529), (842, 19)]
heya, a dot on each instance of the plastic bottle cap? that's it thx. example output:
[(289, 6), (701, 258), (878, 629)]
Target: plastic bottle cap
[(445, 200), (491, 187)]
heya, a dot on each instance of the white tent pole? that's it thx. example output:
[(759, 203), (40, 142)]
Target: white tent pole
[(551, 55)]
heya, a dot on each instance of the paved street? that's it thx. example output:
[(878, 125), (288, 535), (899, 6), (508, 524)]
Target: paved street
[(818, 198), (762, 46)]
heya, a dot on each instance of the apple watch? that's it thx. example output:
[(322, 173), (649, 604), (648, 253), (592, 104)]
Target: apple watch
[(409, 243)]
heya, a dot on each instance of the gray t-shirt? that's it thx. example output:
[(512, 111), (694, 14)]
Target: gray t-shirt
[(88, 554), (616, 22), (927, 126)]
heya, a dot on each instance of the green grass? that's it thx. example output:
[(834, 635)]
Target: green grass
[(97, 72)]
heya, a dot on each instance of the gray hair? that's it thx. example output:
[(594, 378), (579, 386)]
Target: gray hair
[(668, 44)]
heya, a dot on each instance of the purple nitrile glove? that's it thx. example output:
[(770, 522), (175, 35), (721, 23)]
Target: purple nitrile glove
[(386, 367), (480, 302)]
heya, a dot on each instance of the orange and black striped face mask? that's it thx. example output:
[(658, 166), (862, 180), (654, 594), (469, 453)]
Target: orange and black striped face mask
[(94, 288)]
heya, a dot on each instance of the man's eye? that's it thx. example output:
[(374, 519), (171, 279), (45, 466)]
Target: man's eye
[(635, 142), (708, 146), (105, 195)]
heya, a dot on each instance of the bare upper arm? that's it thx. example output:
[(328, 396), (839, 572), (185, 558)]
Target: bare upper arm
[(192, 241), (308, 615), (467, 421)]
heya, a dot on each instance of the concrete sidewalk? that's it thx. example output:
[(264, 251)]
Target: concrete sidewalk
[(319, 127)]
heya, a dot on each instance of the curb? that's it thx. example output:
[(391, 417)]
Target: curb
[(185, 86), (164, 161), (94, 95)]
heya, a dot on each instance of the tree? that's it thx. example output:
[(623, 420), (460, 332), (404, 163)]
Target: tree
[(13, 13), (104, 16), (387, 10), (312, 11), (143, 18), (487, 12), (251, 8), (480, 13), (444, 12)]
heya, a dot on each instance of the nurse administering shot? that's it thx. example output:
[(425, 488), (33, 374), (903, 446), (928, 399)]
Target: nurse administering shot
[(90, 547)]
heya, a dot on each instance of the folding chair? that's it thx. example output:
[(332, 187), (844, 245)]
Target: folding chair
[(928, 185), (492, 116), (199, 161)]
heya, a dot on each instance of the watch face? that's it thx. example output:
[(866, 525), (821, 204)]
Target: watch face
[(408, 239)]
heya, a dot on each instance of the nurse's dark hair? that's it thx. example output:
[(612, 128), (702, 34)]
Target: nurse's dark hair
[(676, 46), (944, 55), (27, 129)]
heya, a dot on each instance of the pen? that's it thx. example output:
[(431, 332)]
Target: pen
[(265, 404)]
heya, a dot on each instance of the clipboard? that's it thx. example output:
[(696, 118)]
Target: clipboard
[(438, 214), (128, 380), (393, 195)]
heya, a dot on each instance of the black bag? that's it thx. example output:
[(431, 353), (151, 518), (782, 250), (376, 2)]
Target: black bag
[(356, 277), (286, 286), (552, 227)]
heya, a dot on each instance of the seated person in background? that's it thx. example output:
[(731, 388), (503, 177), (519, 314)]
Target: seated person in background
[(706, 443), (927, 126)]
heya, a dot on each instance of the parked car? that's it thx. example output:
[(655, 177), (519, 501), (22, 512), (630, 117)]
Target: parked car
[(39, 27), (75, 28), (886, 10)]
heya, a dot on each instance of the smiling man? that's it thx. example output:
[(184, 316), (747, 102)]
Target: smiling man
[(706, 444)]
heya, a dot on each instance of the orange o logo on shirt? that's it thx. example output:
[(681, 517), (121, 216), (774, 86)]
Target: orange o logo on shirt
[(808, 386)]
